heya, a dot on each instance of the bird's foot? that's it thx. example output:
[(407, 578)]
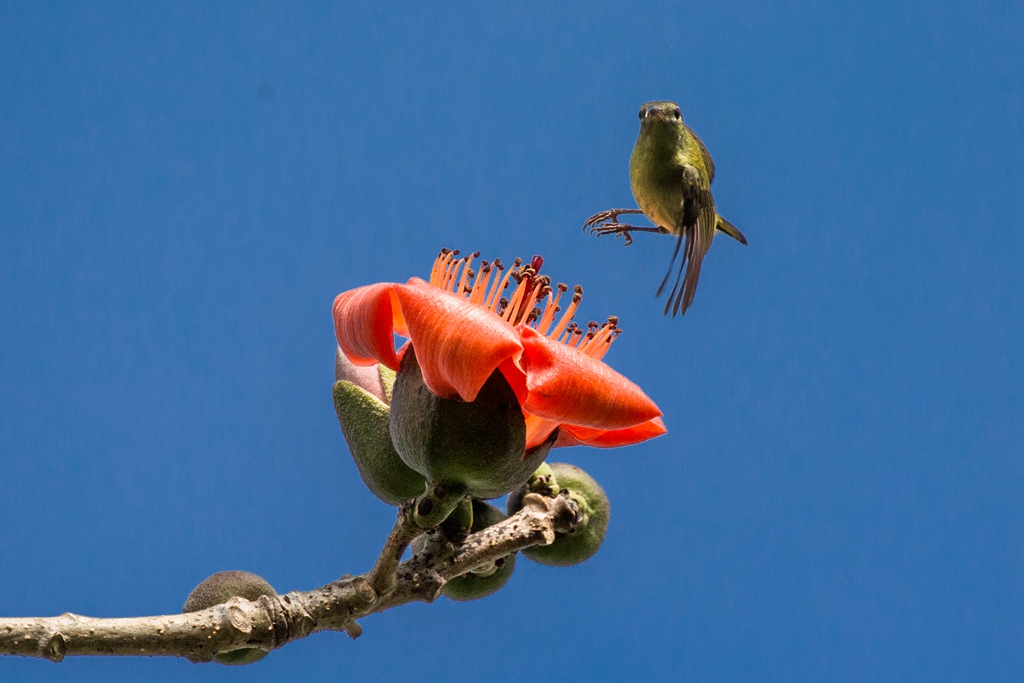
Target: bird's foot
[(618, 230), (609, 216)]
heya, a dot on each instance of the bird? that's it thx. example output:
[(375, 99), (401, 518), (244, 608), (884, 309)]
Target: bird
[(670, 173)]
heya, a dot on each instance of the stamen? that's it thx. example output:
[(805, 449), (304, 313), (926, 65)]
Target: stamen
[(453, 279), (450, 267), (485, 286), (551, 309), (504, 283), (480, 286), (599, 338), (575, 337), (466, 273), (468, 288), (440, 263), (540, 283), (524, 277), (591, 331), (603, 348), (569, 331), (577, 296)]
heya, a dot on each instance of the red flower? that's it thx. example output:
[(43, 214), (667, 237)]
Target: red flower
[(462, 331)]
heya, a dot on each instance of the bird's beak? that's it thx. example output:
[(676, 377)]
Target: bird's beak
[(653, 113)]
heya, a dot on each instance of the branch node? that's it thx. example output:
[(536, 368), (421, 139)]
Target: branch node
[(54, 648), (363, 590), (289, 619), (238, 617)]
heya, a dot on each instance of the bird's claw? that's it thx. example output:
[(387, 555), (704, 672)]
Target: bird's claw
[(609, 216), (616, 229)]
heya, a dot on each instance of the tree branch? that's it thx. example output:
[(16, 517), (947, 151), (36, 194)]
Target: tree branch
[(273, 621)]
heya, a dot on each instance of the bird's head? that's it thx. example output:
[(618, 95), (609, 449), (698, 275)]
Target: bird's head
[(660, 113)]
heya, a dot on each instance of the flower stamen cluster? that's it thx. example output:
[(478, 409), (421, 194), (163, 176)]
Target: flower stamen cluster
[(457, 276)]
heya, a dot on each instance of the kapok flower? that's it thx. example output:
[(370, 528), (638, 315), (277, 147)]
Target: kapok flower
[(462, 329)]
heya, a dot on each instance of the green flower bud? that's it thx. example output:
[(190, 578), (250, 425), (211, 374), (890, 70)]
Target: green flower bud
[(473, 448), (221, 587), (364, 418), (585, 539), (488, 579)]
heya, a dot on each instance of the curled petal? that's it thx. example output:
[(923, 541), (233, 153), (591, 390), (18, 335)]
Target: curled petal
[(366, 377), (365, 319), (458, 344), (569, 387), (538, 430), (599, 438)]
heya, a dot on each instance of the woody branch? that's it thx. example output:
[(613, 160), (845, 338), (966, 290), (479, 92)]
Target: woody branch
[(273, 621)]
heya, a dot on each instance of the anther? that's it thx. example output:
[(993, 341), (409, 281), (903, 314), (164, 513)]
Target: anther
[(493, 301)]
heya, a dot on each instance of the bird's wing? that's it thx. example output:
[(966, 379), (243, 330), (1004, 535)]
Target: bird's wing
[(705, 155), (697, 223), (698, 242)]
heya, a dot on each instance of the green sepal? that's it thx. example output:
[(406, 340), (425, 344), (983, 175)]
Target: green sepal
[(475, 447), (221, 587), (364, 421), (436, 504), (387, 379), (587, 536)]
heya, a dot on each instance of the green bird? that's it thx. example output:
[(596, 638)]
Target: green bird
[(670, 173)]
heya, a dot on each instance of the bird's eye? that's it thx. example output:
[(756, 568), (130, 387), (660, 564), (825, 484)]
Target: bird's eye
[(678, 115)]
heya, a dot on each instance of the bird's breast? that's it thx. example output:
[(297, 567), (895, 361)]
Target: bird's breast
[(657, 188)]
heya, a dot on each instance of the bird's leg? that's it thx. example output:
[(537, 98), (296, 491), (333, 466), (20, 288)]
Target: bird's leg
[(621, 230), (607, 223), (609, 216)]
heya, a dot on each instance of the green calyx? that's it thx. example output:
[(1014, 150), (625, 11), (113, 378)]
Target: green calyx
[(437, 504), (490, 578), (221, 587), (584, 540), (476, 448), (364, 421)]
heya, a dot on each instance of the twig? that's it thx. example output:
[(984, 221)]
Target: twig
[(382, 576), (273, 621)]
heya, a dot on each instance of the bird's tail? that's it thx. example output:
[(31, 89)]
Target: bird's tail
[(680, 298), (722, 225), (668, 274)]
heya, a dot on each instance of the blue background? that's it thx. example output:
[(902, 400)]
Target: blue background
[(185, 187)]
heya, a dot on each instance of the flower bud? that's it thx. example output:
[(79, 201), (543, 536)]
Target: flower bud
[(366, 377), (221, 587), (584, 540), (474, 448), (359, 400)]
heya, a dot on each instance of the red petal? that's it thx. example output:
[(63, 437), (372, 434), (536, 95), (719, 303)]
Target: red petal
[(583, 436), (538, 430), (569, 387), (364, 322), (458, 344)]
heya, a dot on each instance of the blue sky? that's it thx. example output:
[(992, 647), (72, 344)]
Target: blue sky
[(185, 187)]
